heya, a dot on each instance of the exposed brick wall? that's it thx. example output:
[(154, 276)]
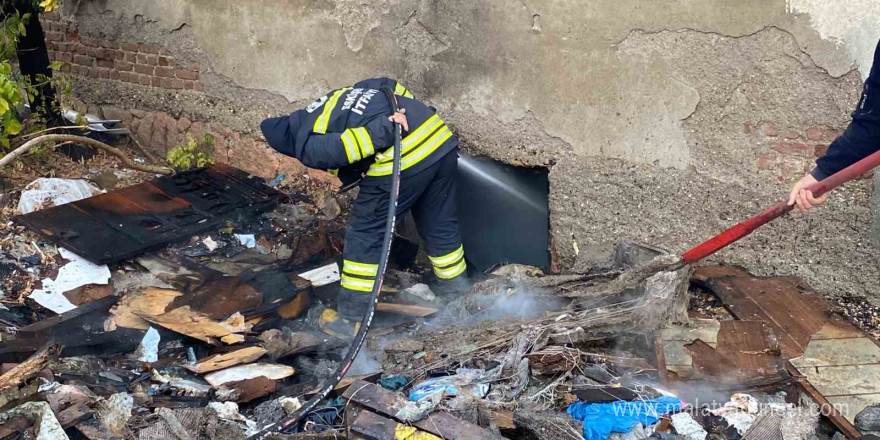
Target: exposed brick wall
[(159, 132), (131, 62), (792, 152)]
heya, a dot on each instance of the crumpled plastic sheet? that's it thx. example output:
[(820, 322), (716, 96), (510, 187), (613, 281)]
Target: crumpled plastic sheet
[(47, 192), (465, 381), (601, 419), (393, 382)]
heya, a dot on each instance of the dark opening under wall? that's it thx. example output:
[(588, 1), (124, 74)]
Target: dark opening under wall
[(503, 213)]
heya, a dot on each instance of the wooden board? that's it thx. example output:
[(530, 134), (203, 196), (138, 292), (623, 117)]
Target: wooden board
[(793, 313), (244, 355), (751, 346), (439, 423), (406, 309), (372, 426)]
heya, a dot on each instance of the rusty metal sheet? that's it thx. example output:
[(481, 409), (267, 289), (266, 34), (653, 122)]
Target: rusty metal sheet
[(127, 222)]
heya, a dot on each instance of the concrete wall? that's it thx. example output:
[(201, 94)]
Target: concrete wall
[(662, 121)]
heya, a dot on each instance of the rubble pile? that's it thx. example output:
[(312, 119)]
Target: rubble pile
[(203, 324)]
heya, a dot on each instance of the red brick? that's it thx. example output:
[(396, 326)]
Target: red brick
[(131, 47), (165, 83), (165, 72), (820, 150), (89, 41), (130, 57), (187, 74), (123, 66), (83, 60), (54, 36), (790, 135), (103, 73), (155, 81), (146, 70), (106, 64), (53, 55), (126, 76), (164, 61), (119, 55), (144, 80), (147, 48), (93, 72), (793, 148), (152, 60), (176, 83), (832, 134), (82, 70), (769, 130), (188, 85), (815, 133), (197, 86), (766, 162), (114, 74), (91, 51), (110, 45), (71, 37), (59, 46), (164, 51)]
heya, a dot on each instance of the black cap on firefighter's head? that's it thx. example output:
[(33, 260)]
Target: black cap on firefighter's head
[(281, 132)]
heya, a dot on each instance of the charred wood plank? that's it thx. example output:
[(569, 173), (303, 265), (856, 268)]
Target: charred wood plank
[(441, 424), (372, 426)]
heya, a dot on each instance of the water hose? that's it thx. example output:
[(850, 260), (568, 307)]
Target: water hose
[(781, 208), (293, 420)]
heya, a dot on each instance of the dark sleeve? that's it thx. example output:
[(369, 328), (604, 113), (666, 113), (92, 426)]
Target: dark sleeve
[(337, 150), (862, 136), (378, 83)]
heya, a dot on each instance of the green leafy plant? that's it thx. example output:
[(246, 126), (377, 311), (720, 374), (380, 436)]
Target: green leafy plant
[(193, 154), (13, 87)]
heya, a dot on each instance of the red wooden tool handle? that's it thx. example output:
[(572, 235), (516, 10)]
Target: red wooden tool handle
[(740, 230)]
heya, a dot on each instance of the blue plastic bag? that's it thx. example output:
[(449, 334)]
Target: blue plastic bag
[(601, 419)]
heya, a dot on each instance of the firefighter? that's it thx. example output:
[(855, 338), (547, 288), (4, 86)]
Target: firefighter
[(350, 133)]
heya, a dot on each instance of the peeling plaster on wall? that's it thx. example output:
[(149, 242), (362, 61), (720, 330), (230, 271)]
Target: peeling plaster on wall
[(853, 24), (358, 18)]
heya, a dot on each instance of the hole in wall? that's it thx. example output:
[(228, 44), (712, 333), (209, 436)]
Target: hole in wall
[(503, 213)]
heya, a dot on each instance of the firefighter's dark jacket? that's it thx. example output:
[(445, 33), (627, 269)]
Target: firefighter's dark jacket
[(862, 137), (348, 128)]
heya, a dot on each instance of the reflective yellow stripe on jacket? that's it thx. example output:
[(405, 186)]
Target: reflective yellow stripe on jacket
[(415, 147), (357, 143), (324, 119), (399, 89)]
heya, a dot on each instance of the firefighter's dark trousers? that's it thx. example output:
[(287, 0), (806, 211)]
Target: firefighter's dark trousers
[(430, 194)]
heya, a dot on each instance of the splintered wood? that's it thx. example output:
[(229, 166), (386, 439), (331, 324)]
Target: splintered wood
[(151, 305), (226, 360)]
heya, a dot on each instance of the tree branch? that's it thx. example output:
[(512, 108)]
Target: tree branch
[(9, 158)]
